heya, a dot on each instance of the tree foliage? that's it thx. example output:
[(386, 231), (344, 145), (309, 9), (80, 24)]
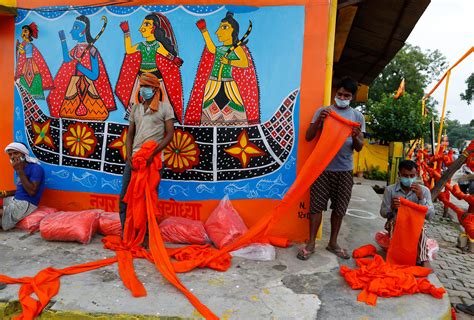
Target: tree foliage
[(458, 133), (396, 120), (467, 95), (401, 120)]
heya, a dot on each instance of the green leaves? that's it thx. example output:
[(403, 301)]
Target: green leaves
[(396, 120)]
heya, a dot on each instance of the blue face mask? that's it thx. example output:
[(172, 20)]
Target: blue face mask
[(147, 93), (407, 182)]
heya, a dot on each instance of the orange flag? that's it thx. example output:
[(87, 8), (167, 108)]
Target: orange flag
[(403, 247), (400, 90)]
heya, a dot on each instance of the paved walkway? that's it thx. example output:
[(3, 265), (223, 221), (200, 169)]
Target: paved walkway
[(455, 268), (285, 288)]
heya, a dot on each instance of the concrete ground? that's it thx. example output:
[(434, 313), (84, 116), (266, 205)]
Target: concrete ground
[(285, 288)]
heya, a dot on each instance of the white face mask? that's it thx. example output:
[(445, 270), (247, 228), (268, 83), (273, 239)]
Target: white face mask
[(342, 103)]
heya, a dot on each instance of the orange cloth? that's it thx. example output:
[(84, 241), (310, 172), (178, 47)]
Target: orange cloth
[(364, 251), (326, 148), (45, 285), (377, 278), (403, 247), (142, 210)]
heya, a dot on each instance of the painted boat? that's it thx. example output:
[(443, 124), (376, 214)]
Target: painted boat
[(274, 137)]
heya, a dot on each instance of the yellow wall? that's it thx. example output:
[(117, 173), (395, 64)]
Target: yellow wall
[(371, 155)]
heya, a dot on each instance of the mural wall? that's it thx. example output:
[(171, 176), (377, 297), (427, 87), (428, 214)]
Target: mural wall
[(231, 73)]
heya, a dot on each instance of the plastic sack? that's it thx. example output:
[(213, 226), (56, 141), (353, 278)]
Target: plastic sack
[(182, 230), (256, 251), (224, 225), (31, 223), (77, 226), (109, 224), (433, 248), (383, 239)]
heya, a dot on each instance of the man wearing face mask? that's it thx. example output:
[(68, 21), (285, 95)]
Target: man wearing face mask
[(30, 185), (152, 119), (407, 188), (336, 181)]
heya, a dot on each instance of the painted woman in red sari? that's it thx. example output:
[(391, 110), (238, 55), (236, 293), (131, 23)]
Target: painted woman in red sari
[(225, 91), (32, 72), (82, 87), (158, 54)]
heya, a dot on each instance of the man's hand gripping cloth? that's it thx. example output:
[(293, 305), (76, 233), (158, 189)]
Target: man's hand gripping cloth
[(408, 226), (398, 276)]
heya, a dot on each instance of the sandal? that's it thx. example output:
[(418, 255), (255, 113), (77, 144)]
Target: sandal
[(304, 254), (341, 253), (465, 308)]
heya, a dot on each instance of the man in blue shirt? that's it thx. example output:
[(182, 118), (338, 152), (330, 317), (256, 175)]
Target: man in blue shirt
[(30, 185)]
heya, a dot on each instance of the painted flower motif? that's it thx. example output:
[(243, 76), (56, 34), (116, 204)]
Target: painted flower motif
[(182, 153), (43, 134), (244, 149), (119, 144), (80, 140)]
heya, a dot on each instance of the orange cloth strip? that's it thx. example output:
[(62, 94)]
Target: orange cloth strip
[(377, 278), (404, 243), (45, 285), (326, 148)]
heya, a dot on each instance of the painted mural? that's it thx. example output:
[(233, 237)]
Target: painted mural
[(231, 73)]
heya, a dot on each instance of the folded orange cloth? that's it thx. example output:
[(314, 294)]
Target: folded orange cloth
[(364, 251), (378, 278)]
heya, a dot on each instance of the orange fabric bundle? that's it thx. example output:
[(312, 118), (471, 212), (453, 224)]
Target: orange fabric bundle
[(403, 247), (182, 230), (364, 251), (377, 278), (224, 225), (109, 224), (79, 226), (31, 223)]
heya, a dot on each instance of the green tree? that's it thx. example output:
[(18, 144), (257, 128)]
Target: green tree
[(458, 133), (467, 95), (419, 68), (396, 120), (401, 120)]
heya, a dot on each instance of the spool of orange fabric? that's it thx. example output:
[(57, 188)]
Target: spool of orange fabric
[(403, 247)]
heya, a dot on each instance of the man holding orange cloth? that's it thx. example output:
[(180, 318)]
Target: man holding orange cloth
[(151, 119)]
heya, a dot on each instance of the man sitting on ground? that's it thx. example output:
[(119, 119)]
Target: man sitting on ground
[(407, 188), (29, 186)]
